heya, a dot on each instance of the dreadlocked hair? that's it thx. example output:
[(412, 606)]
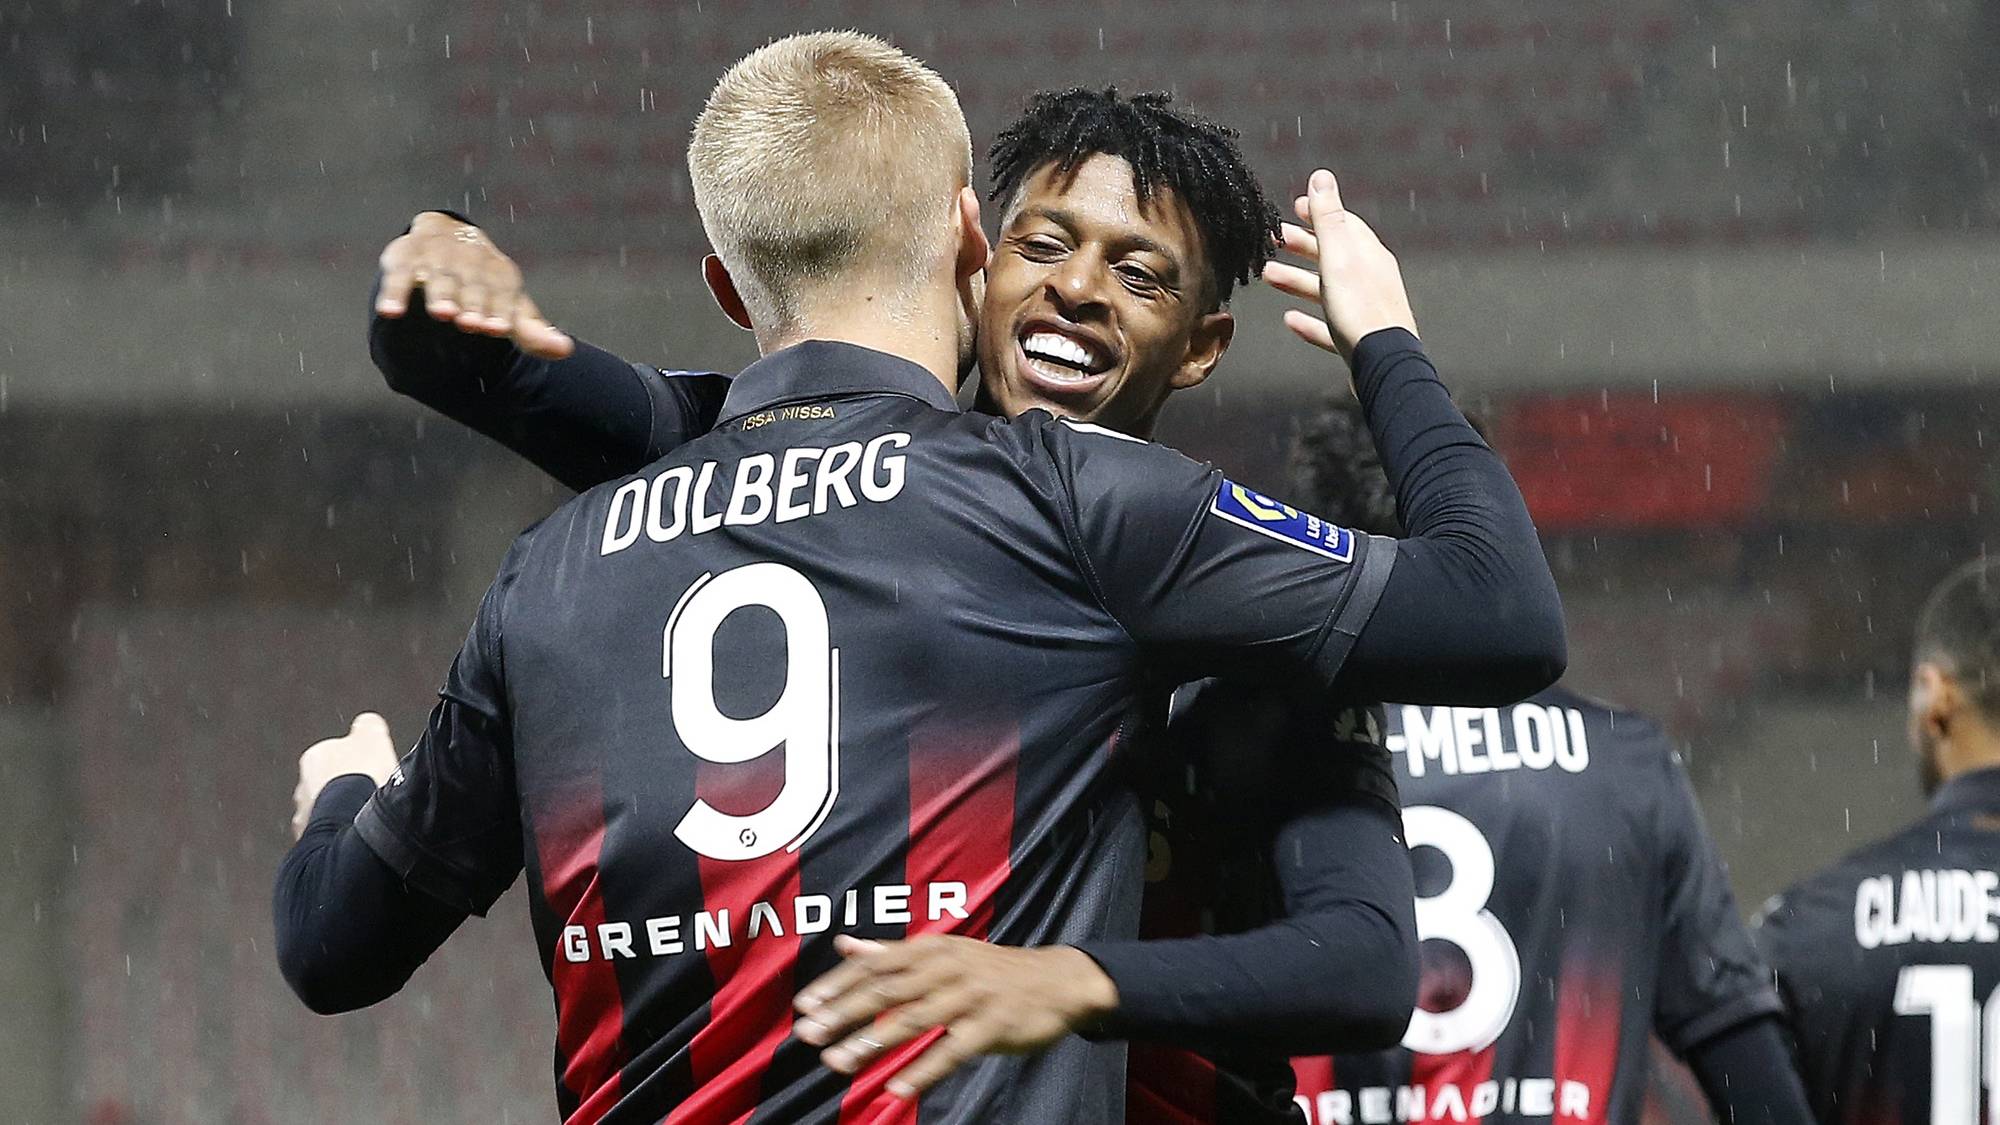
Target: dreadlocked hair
[(1337, 474), (1170, 147)]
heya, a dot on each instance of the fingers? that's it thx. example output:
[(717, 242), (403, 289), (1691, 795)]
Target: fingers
[(960, 1043), (371, 724), (480, 309), (440, 294), (393, 300), (1311, 329), (908, 1022), (1298, 240), (1323, 195), (871, 982), (1292, 281), (466, 281), (536, 336)]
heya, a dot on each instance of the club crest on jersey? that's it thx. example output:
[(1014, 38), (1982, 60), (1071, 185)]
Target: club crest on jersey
[(1265, 516)]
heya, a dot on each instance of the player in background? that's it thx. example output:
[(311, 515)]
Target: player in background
[(1569, 900), (1245, 830), (1889, 960), (1061, 878)]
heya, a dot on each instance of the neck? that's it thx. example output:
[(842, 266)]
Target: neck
[(1973, 746), (923, 329)]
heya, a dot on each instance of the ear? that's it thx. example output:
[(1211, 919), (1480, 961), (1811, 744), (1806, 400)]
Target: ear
[(973, 246), (723, 288), (1210, 338), (1935, 699)]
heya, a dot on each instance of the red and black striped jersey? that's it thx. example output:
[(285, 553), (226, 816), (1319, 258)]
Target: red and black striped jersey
[(1571, 906), (854, 662), (1889, 965), (1247, 766)]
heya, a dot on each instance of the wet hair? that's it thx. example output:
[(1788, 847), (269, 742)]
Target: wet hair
[(1959, 629), (1336, 473), (1168, 147)]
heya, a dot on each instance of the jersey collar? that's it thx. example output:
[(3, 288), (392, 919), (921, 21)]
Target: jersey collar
[(828, 369), (1978, 791)]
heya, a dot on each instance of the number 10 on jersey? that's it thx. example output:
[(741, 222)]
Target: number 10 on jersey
[(1944, 993), (805, 720)]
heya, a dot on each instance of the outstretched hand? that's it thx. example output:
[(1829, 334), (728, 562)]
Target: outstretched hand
[(467, 281), (365, 749), (986, 999), (1355, 283)]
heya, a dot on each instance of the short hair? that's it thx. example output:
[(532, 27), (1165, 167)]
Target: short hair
[(1167, 147), (825, 156), (1959, 628), (1336, 472)]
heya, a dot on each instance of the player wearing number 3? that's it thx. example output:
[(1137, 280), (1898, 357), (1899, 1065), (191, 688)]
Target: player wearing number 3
[(857, 662), (1570, 904), (1889, 961)]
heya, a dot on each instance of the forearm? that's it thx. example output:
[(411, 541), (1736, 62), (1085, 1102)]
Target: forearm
[(349, 932), (1749, 1076), (1470, 614), (1338, 973), (583, 420)]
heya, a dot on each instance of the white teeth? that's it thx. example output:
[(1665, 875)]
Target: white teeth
[(1056, 373), (1051, 345)]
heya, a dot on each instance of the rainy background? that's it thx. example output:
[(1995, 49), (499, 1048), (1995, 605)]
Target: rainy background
[(1725, 277)]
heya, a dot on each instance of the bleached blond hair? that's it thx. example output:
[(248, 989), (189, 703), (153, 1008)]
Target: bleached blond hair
[(827, 157)]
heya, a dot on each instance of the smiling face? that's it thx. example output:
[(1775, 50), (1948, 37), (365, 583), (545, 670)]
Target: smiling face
[(1097, 306)]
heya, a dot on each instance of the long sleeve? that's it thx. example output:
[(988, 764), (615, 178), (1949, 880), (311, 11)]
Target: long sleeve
[(1332, 965), (583, 420), (1749, 1076), (1470, 613), (349, 930)]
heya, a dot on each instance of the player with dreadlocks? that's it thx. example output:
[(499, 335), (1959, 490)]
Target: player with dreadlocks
[(1126, 225)]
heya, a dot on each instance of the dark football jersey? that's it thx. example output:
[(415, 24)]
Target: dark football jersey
[(1570, 903), (853, 662), (1889, 965), (1241, 758)]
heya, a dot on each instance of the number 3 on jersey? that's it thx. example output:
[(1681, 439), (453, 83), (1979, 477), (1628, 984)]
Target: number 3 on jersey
[(1458, 915), (805, 720)]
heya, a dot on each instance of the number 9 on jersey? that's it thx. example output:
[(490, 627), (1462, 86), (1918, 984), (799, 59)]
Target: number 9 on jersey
[(805, 720)]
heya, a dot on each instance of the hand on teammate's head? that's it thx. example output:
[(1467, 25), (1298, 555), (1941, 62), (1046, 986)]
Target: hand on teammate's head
[(465, 280), (366, 748), (1354, 280)]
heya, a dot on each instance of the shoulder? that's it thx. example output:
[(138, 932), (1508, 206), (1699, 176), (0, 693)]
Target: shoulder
[(694, 383), (1829, 892), (1618, 737), (1086, 445)]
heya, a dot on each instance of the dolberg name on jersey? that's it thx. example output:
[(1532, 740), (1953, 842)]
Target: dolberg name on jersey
[(1464, 740), (1951, 905), (802, 481)]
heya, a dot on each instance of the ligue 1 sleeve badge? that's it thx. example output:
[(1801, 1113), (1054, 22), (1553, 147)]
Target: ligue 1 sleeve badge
[(1248, 508)]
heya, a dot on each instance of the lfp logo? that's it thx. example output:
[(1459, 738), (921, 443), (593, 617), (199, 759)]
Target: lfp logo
[(1265, 516)]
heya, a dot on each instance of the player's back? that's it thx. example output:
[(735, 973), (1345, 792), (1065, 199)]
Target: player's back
[(841, 666), (1889, 964), (1566, 898)]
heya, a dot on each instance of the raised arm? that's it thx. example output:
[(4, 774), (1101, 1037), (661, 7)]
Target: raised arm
[(1470, 613), (454, 329)]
